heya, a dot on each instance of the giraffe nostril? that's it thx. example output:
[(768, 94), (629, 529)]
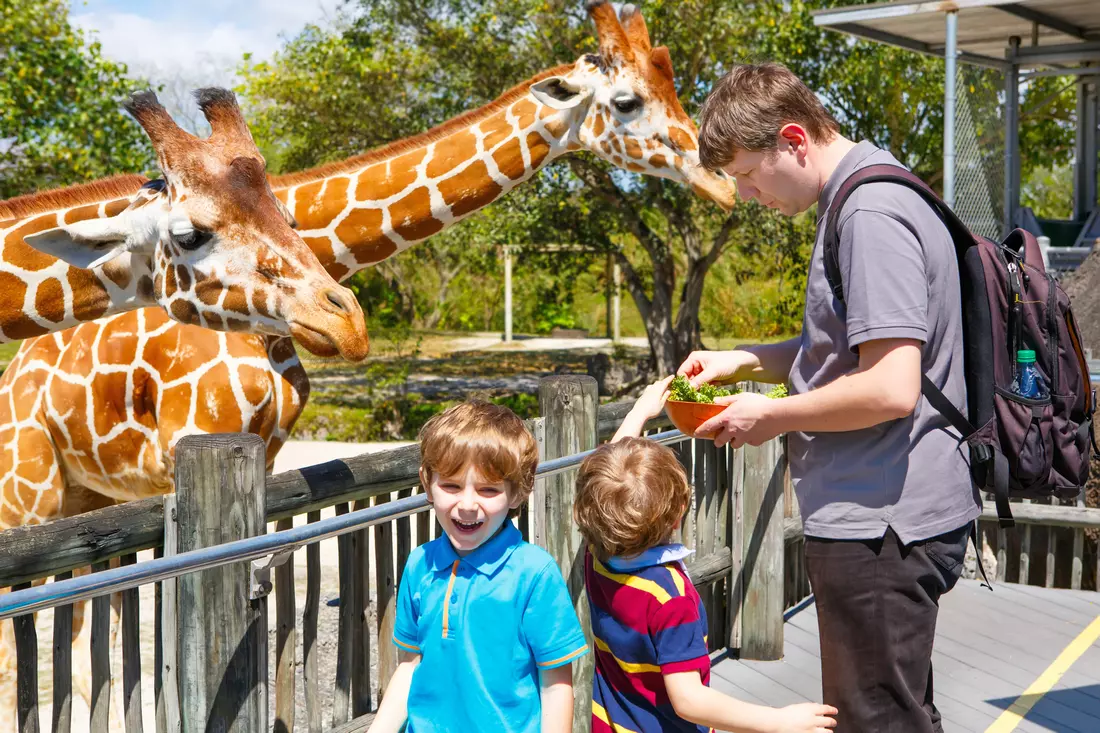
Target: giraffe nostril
[(338, 300)]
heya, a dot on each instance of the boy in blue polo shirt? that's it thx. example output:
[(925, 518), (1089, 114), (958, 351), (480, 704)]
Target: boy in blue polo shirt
[(485, 629)]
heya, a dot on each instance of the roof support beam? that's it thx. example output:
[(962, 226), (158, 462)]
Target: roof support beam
[(1037, 16), (873, 34), (1068, 53)]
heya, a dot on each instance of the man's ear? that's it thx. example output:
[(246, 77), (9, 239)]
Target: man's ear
[(557, 93), (794, 135), (92, 242)]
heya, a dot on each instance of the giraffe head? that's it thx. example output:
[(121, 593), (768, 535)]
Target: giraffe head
[(627, 111), (211, 244)]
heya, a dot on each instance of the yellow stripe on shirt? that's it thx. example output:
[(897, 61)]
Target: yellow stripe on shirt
[(407, 647), (633, 581), (678, 580), (633, 667), (567, 657), (600, 713)]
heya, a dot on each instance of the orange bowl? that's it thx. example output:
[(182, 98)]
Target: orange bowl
[(687, 416)]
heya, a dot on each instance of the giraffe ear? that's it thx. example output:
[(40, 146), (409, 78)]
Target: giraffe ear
[(92, 242), (557, 93)]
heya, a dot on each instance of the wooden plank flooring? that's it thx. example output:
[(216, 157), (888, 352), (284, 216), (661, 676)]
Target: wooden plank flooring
[(990, 647)]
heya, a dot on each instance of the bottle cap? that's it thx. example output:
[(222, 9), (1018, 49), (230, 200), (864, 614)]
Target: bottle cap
[(1027, 356)]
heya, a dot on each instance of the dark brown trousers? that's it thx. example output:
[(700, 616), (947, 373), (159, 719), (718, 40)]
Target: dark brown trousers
[(877, 602)]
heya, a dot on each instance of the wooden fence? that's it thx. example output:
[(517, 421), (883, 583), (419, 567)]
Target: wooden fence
[(742, 523)]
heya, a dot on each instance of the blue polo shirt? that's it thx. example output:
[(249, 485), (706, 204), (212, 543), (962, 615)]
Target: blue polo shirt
[(484, 625)]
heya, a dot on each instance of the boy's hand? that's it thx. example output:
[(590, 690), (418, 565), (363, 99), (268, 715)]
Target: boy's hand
[(807, 717), (653, 399), (648, 405)]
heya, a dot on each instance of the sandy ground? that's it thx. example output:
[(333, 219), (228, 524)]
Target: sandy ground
[(294, 455)]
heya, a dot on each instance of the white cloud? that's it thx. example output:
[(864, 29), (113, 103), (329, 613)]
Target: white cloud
[(151, 37), (181, 46)]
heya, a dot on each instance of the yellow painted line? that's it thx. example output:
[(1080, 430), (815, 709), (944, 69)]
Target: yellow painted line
[(1018, 710)]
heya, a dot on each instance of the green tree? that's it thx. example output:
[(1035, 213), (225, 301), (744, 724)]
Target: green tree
[(61, 119)]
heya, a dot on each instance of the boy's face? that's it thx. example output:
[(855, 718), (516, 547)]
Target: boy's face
[(470, 509), (779, 179)]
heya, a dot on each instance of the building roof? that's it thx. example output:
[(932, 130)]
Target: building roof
[(1050, 31)]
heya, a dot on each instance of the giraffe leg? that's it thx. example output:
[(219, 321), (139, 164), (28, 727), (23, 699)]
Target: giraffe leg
[(30, 493)]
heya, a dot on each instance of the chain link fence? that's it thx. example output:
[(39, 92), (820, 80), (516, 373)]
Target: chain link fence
[(979, 149)]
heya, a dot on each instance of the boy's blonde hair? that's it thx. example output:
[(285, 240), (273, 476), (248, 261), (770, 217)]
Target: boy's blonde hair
[(630, 495), (478, 433)]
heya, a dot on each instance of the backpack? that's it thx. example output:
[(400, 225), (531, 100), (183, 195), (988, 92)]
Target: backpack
[(1019, 447)]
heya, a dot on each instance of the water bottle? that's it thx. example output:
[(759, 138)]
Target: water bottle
[(1028, 382)]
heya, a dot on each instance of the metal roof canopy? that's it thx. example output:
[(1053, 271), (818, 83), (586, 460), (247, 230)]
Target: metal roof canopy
[(1051, 31), (1010, 36)]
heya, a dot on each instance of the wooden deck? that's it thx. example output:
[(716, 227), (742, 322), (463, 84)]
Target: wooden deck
[(990, 648)]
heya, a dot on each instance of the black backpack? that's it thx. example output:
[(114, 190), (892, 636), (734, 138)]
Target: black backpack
[(1019, 447)]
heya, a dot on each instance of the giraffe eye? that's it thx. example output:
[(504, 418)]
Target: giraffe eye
[(192, 240), (626, 105)]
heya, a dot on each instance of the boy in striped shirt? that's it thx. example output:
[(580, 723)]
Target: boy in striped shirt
[(648, 624)]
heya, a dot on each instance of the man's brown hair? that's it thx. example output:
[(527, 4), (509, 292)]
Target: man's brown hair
[(749, 106), (629, 496), (489, 437)]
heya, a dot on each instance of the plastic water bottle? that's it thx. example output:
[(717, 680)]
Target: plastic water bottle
[(1029, 382)]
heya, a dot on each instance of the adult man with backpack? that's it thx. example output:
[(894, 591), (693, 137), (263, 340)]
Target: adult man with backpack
[(882, 480)]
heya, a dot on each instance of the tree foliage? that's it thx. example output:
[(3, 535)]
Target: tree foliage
[(61, 119), (401, 66)]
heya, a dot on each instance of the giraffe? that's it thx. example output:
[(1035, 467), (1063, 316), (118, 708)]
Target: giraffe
[(209, 244), (619, 104)]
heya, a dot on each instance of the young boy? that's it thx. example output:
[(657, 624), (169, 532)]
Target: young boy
[(648, 625), (485, 629)]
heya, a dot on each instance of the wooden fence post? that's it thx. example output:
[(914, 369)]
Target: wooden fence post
[(762, 546), (569, 404), (220, 496)]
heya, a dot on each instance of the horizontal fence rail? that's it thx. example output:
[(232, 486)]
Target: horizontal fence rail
[(123, 578)]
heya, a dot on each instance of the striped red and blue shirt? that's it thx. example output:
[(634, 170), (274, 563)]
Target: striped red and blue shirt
[(647, 621)]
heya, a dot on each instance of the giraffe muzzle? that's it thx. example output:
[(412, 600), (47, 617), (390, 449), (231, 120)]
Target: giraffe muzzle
[(332, 324)]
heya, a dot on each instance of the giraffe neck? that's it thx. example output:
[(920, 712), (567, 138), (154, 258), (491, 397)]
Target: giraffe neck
[(356, 217), (42, 294)]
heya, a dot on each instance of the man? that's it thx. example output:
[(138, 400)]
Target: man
[(881, 477)]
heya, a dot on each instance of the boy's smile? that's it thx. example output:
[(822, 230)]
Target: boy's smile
[(470, 508)]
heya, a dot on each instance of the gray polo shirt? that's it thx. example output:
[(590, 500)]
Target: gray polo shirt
[(900, 281)]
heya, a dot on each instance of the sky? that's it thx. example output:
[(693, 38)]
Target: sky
[(190, 43)]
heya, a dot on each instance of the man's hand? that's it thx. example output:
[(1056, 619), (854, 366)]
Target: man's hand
[(703, 367), (746, 420)]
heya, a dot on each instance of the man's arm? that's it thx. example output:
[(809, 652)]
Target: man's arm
[(556, 690), (759, 362), (773, 361), (885, 387)]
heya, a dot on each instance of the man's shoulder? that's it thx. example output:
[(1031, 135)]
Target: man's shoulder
[(887, 198)]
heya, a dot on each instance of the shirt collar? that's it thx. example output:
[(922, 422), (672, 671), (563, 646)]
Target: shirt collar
[(488, 557), (656, 555), (846, 167)]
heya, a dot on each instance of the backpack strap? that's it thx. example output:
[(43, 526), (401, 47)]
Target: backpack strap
[(997, 470), (883, 172)]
